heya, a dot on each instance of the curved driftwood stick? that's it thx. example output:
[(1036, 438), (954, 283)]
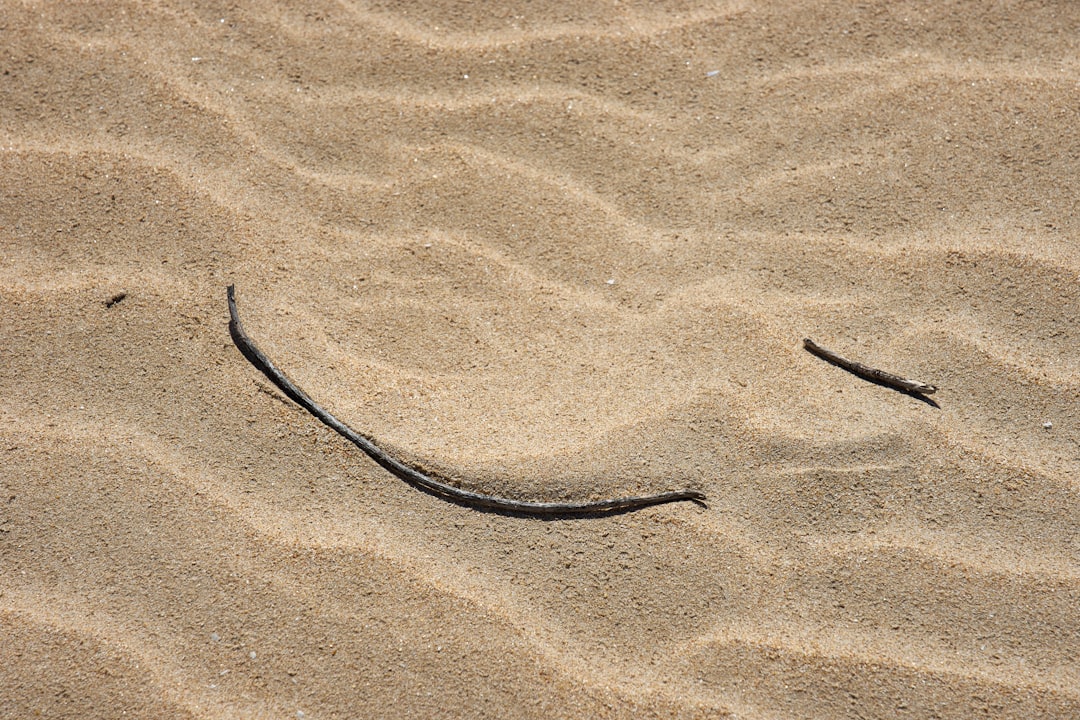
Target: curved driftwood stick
[(868, 373), (414, 476)]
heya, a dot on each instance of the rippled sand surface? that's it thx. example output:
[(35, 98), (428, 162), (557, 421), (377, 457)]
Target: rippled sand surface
[(559, 251)]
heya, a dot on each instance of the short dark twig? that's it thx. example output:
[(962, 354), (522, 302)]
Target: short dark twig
[(415, 477), (868, 373)]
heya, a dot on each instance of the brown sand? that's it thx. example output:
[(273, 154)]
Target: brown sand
[(565, 252)]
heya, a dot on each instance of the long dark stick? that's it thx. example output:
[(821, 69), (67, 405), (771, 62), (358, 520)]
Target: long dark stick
[(868, 373), (419, 479)]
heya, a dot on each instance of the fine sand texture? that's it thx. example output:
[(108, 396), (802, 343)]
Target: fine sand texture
[(555, 251)]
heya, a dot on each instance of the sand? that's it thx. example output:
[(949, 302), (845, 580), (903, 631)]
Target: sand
[(559, 251)]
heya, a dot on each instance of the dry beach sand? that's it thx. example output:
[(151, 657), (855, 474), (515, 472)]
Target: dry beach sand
[(559, 251)]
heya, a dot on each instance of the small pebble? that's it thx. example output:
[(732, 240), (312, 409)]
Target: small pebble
[(1048, 424)]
